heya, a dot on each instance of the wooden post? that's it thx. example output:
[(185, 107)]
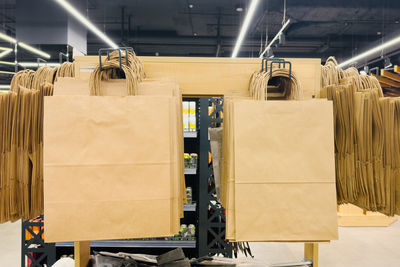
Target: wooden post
[(311, 252), (82, 253)]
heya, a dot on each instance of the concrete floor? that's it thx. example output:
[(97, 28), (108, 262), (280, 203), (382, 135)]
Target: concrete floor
[(357, 247)]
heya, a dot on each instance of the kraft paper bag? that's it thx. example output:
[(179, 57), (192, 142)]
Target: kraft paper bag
[(171, 88), (216, 150), (108, 168), (71, 86), (151, 88), (284, 171), (117, 87)]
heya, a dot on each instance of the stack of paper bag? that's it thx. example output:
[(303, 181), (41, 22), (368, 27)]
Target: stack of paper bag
[(366, 129), (278, 172), (21, 176), (143, 172)]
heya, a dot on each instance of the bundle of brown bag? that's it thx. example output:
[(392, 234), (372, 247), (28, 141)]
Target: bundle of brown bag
[(113, 155), (278, 173), (21, 143), (367, 130)]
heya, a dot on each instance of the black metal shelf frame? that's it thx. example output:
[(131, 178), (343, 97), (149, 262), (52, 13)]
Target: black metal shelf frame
[(212, 221), (36, 245)]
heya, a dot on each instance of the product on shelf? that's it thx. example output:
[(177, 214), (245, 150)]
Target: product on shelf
[(189, 195), (193, 160), (186, 157), (192, 116), (190, 160), (192, 230), (186, 232), (185, 108)]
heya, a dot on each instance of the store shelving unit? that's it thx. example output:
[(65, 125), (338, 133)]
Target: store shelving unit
[(189, 171), (136, 244), (35, 249), (190, 134), (212, 220)]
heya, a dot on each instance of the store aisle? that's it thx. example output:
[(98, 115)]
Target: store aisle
[(357, 247), (10, 244)]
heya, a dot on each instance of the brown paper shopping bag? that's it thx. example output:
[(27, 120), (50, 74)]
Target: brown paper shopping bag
[(284, 172), (171, 88), (117, 87), (71, 86), (108, 168)]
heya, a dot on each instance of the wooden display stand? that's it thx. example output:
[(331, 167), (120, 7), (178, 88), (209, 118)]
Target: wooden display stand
[(352, 216), (209, 77), (82, 253), (198, 76)]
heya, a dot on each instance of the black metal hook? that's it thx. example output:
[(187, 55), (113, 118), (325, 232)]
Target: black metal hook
[(280, 61), (108, 50), (376, 70)]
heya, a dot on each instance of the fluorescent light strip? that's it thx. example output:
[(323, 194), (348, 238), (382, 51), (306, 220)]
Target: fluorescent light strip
[(5, 53), (7, 38), (30, 64), (33, 50), (6, 72), (74, 12), (245, 26), (7, 63), (275, 38), (36, 64), (25, 46), (370, 52)]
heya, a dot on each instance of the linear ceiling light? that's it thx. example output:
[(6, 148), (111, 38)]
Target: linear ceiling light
[(7, 38), (4, 86), (370, 52), (37, 64), (5, 52), (7, 63), (74, 12), (31, 64), (275, 38), (245, 26), (23, 45), (33, 50), (6, 72)]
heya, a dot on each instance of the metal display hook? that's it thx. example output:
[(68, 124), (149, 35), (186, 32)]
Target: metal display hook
[(264, 62), (40, 60), (372, 70), (280, 61), (108, 50), (61, 55)]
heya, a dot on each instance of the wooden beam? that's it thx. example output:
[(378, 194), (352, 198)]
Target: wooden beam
[(388, 82), (382, 83), (82, 253), (311, 252), (396, 69), (390, 75)]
